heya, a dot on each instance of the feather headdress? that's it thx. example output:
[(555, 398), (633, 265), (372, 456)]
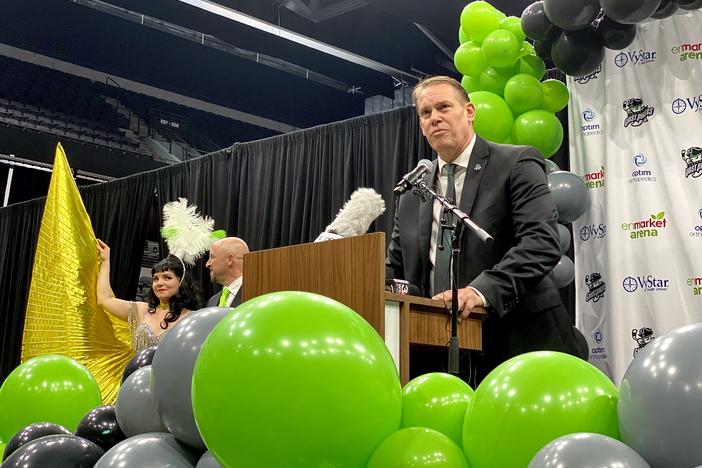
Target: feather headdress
[(187, 234)]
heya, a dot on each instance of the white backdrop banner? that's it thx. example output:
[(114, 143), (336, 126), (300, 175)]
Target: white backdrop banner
[(636, 140)]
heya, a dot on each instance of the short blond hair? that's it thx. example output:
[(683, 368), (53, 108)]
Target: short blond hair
[(435, 80)]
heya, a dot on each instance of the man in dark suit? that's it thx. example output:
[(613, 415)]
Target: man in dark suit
[(503, 188), (226, 265)]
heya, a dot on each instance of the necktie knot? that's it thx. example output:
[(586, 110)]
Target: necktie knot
[(450, 169)]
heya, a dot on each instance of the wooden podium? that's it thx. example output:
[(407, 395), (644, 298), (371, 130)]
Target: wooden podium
[(352, 271)]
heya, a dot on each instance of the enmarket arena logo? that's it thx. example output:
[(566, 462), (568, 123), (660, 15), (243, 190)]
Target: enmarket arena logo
[(585, 79), (647, 227), (637, 113), (642, 174), (692, 157), (687, 51), (695, 283), (596, 179), (634, 57)]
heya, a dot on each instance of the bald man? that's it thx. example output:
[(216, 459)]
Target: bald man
[(226, 265)]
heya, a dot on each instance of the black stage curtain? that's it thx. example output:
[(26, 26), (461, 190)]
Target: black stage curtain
[(274, 192)]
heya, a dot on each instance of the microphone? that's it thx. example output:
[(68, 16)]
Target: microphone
[(356, 216), (423, 166)]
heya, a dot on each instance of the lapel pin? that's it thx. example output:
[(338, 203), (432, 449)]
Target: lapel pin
[(477, 167)]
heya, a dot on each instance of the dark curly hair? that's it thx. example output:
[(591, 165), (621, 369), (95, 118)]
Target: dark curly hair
[(188, 296)]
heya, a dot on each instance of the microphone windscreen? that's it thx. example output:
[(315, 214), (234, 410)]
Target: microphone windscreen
[(358, 213)]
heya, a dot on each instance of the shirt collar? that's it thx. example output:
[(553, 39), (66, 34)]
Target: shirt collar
[(236, 284), (463, 159)]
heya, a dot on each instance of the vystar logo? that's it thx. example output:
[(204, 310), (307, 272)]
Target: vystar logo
[(593, 231), (684, 104), (595, 179), (645, 283), (641, 175), (634, 57), (647, 227), (687, 51)]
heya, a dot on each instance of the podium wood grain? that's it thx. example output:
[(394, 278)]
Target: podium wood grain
[(351, 271)]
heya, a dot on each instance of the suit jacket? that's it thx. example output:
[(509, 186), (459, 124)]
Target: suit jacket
[(506, 193), (214, 300)]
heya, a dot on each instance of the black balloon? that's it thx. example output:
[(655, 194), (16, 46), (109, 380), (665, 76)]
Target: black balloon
[(536, 24), (55, 450), (689, 4), (543, 50), (629, 11), (100, 427), (32, 432), (666, 9), (572, 14), (141, 359), (577, 53), (615, 36)]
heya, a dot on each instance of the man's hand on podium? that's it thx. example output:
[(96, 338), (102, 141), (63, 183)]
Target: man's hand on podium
[(468, 299)]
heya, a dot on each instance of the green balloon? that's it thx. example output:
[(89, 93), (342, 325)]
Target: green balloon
[(494, 79), (293, 379), (532, 399), (527, 49), (470, 84), (416, 447), (478, 19), (469, 59), (462, 37), (49, 388), (493, 118), (523, 93), (500, 16), (513, 25), (501, 48), (540, 129), (531, 65), (437, 401), (556, 95)]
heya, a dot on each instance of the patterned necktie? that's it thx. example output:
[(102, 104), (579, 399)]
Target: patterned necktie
[(442, 263), (223, 298)]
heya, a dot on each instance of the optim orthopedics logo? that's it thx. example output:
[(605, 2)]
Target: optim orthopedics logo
[(637, 113), (640, 159), (642, 174), (693, 161), (588, 115), (590, 127)]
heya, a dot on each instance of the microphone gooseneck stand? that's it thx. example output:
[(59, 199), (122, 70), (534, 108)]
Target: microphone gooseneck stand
[(425, 193)]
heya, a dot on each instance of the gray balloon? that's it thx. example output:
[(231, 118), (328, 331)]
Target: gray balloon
[(135, 407), (563, 238), (172, 369), (208, 461), (151, 450), (629, 11), (572, 14), (660, 399), (570, 195), (550, 165), (563, 273), (585, 450)]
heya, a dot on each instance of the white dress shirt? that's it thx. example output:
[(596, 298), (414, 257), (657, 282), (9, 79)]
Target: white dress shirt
[(459, 177), (233, 289)]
